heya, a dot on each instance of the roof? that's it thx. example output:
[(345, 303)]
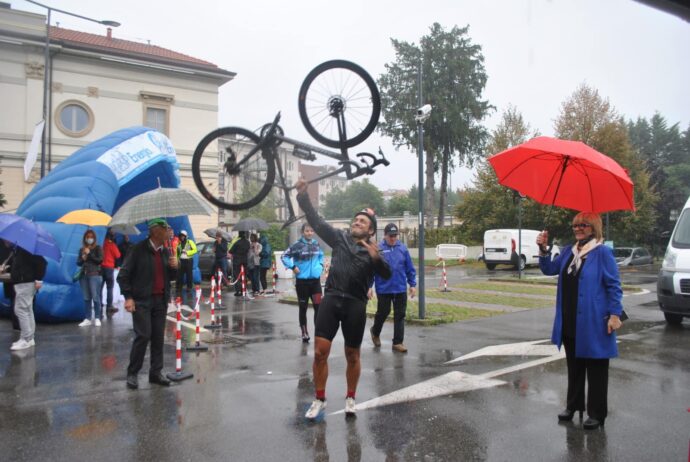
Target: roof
[(106, 43)]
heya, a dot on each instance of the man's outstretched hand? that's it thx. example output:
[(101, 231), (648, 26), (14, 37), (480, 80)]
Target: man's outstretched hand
[(301, 186)]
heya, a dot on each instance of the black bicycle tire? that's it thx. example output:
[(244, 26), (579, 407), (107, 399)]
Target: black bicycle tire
[(196, 172), (376, 103)]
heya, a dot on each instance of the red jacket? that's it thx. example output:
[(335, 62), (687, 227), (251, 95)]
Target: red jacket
[(110, 254)]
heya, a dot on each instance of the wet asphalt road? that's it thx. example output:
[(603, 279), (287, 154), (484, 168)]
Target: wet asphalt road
[(67, 399)]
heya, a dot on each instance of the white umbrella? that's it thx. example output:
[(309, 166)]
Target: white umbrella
[(160, 202)]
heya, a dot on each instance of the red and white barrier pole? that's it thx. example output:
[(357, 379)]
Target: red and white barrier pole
[(445, 276), (274, 277), (178, 375), (197, 346), (214, 324), (219, 290), (244, 282)]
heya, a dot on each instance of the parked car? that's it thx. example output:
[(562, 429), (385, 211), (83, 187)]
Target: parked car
[(206, 258), (673, 284), (501, 247), (632, 256)]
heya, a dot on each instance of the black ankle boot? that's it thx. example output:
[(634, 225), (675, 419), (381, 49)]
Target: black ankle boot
[(305, 335), (592, 424), (567, 415)]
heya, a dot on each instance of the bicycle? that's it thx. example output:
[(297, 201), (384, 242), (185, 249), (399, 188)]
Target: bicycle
[(330, 92)]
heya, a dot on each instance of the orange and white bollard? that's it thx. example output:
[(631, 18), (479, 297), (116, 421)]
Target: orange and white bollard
[(219, 290), (214, 324), (197, 346), (178, 375)]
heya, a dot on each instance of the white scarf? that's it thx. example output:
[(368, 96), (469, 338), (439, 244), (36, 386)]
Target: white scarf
[(579, 255)]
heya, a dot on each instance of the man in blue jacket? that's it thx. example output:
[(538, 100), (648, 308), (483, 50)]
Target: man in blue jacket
[(305, 259), (393, 290)]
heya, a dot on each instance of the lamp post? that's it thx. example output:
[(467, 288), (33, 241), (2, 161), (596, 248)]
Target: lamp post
[(423, 113), (46, 67)]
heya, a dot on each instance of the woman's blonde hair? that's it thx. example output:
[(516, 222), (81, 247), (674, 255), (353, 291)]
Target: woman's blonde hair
[(593, 219)]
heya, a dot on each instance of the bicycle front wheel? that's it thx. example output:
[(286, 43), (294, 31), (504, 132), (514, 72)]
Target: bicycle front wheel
[(230, 169), (334, 89)]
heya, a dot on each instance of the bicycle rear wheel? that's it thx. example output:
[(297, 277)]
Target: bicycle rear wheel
[(334, 88), (230, 158)]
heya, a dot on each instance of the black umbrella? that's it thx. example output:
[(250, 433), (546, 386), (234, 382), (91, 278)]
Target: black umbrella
[(211, 232), (250, 224)]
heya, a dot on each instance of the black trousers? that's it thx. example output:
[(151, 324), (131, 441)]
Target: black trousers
[(383, 309), (236, 268), (262, 277), (149, 326), (596, 373), (306, 289), (185, 269)]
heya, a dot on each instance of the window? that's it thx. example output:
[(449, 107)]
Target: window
[(157, 118), (74, 118), (157, 110)]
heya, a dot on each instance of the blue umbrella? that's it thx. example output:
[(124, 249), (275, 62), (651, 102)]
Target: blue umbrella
[(28, 235)]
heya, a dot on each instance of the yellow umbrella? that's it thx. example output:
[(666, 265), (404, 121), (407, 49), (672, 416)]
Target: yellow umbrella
[(87, 217)]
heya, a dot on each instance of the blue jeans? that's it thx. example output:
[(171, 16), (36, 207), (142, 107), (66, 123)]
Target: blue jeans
[(109, 282), (91, 287)]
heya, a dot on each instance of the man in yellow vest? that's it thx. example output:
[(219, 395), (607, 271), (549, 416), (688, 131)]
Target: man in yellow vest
[(185, 253)]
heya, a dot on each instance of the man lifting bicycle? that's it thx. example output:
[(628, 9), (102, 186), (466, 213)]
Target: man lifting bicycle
[(355, 259)]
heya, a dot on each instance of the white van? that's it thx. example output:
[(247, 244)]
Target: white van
[(673, 285), (501, 247)]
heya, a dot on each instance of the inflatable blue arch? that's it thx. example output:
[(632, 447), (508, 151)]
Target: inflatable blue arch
[(101, 176)]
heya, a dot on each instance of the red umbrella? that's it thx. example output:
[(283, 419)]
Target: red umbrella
[(565, 173)]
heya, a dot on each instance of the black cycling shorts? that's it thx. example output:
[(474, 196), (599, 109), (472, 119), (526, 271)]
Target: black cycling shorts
[(308, 288), (336, 311)]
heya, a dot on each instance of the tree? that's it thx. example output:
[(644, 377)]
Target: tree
[(266, 209), (453, 81), (357, 196), (487, 204), (398, 205), (664, 153), (589, 118)]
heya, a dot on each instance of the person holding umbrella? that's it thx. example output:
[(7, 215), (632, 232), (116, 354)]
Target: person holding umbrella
[(588, 311), (91, 280), (240, 251), (145, 283), (26, 274)]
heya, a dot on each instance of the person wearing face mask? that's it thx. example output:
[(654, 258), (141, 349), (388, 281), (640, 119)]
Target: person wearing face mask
[(91, 280), (110, 255), (355, 261), (588, 313)]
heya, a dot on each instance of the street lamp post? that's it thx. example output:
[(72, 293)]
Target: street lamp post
[(46, 67), (423, 113)]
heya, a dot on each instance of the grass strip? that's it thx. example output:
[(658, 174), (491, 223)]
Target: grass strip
[(435, 313), (492, 299), (509, 287)]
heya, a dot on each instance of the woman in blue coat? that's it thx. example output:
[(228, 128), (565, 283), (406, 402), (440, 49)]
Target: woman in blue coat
[(588, 310)]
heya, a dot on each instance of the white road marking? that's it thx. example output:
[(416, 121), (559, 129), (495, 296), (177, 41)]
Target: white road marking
[(511, 349), (446, 384), (458, 382)]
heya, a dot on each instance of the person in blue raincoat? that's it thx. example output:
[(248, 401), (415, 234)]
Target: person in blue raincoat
[(265, 262), (305, 259), (394, 290), (588, 310)]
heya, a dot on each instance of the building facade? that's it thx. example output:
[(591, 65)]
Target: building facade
[(97, 84)]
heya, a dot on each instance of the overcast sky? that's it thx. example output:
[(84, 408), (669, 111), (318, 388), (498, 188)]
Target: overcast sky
[(536, 52)]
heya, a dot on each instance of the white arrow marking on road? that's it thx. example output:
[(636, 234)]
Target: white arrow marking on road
[(511, 349), (458, 382), (446, 384)]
